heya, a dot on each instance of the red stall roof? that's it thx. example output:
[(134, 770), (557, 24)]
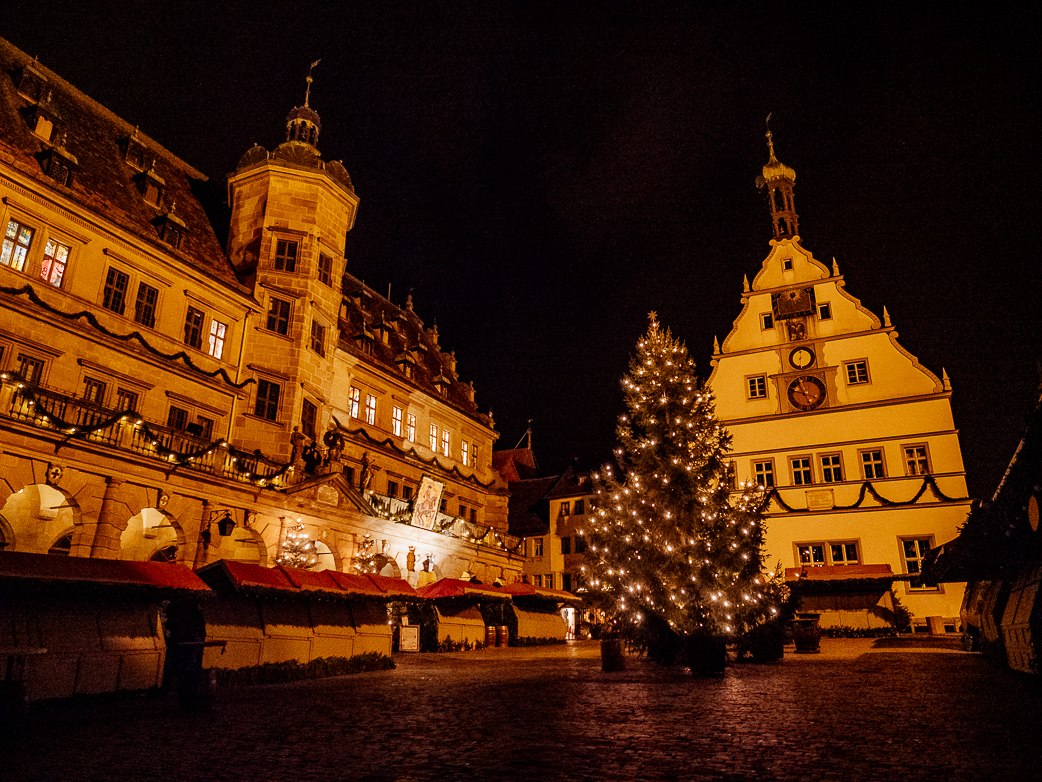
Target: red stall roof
[(17, 566), (454, 587), (840, 573), (521, 588), (286, 579)]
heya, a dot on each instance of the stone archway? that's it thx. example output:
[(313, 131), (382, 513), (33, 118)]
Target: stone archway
[(150, 532), (35, 516)]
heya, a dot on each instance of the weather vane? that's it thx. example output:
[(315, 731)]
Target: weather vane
[(307, 93)]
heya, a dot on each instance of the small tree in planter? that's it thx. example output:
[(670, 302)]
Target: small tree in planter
[(674, 555)]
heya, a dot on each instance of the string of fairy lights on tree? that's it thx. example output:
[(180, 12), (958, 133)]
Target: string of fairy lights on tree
[(671, 543)]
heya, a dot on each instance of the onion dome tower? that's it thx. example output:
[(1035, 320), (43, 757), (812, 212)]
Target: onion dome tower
[(778, 179)]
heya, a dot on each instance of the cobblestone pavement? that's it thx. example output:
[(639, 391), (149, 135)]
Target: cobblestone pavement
[(861, 710)]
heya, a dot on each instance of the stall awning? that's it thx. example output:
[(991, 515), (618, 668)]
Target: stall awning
[(243, 576), (22, 568), (521, 589), (843, 578), (454, 587)]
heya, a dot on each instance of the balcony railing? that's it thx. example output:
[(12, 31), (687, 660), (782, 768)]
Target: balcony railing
[(128, 431)]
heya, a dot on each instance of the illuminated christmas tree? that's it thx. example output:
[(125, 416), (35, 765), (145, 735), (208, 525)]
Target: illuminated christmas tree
[(298, 549), (365, 560), (674, 553)]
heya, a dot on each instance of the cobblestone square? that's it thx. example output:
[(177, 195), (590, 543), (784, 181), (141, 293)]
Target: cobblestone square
[(860, 710)]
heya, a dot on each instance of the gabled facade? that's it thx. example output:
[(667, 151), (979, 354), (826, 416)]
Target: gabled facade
[(850, 434), (164, 397)]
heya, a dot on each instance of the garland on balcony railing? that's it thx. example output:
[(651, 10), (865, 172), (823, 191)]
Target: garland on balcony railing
[(866, 489), (174, 457), (471, 531), (88, 316)]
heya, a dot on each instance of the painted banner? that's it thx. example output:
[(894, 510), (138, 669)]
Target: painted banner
[(428, 503)]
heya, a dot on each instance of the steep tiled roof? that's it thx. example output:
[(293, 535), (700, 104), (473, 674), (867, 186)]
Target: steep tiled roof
[(103, 180)]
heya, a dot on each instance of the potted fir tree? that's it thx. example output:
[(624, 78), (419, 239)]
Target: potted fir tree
[(674, 553)]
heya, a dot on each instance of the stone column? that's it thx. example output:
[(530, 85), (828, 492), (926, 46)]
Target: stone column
[(202, 544), (109, 529)]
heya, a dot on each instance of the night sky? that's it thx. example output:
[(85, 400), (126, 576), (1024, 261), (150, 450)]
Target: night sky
[(541, 176)]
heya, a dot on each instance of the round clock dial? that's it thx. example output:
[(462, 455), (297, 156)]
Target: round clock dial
[(806, 392), (801, 358)]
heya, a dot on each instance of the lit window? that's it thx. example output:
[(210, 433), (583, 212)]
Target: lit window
[(872, 465), (465, 453), (396, 421), (445, 442), (267, 400), (916, 461), (434, 438), (145, 308), (370, 409), (766, 321), (410, 431), (55, 259), (286, 255), (194, 328), (278, 316), (115, 294), (757, 388), (801, 473), (218, 331), (537, 581), (831, 468), (93, 391), (824, 311), (763, 474), (538, 552), (857, 372), (318, 338), (354, 398), (325, 269), (474, 455), (16, 245), (823, 553), (566, 508), (548, 582), (30, 369), (913, 550)]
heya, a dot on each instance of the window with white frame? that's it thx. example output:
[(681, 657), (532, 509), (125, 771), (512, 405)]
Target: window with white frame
[(194, 328), (370, 409), (828, 552), (756, 387), (917, 461), (537, 551), (474, 454), (126, 400), (30, 369), (763, 473), (218, 332), (801, 471), (766, 321), (857, 372), (566, 508), (434, 438), (318, 338), (55, 261), (93, 391), (913, 551), (325, 269), (16, 243), (872, 466), (824, 311), (410, 429), (278, 316), (396, 421), (831, 468), (548, 581), (445, 444), (464, 447), (354, 398)]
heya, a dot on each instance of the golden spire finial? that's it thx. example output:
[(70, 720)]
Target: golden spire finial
[(307, 92)]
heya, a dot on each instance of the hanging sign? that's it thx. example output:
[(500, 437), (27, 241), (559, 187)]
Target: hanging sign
[(428, 503)]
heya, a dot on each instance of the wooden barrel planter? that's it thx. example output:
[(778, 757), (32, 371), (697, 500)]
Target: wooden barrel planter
[(807, 637), (612, 655), (502, 635), (490, 636)]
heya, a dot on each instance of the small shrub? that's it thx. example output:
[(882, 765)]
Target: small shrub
[(530, 641), (292, 670), (843, 631)]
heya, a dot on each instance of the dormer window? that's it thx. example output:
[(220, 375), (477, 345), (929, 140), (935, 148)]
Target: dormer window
[(32, 84), (135, 154), (152, 186), (44, 127), (60, 165), (171, 229), (406, 364)]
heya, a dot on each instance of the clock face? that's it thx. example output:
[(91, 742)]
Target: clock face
[(806, 392), (801, 358)]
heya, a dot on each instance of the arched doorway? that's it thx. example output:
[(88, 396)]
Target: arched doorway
[(150, 536), (36, 516)]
